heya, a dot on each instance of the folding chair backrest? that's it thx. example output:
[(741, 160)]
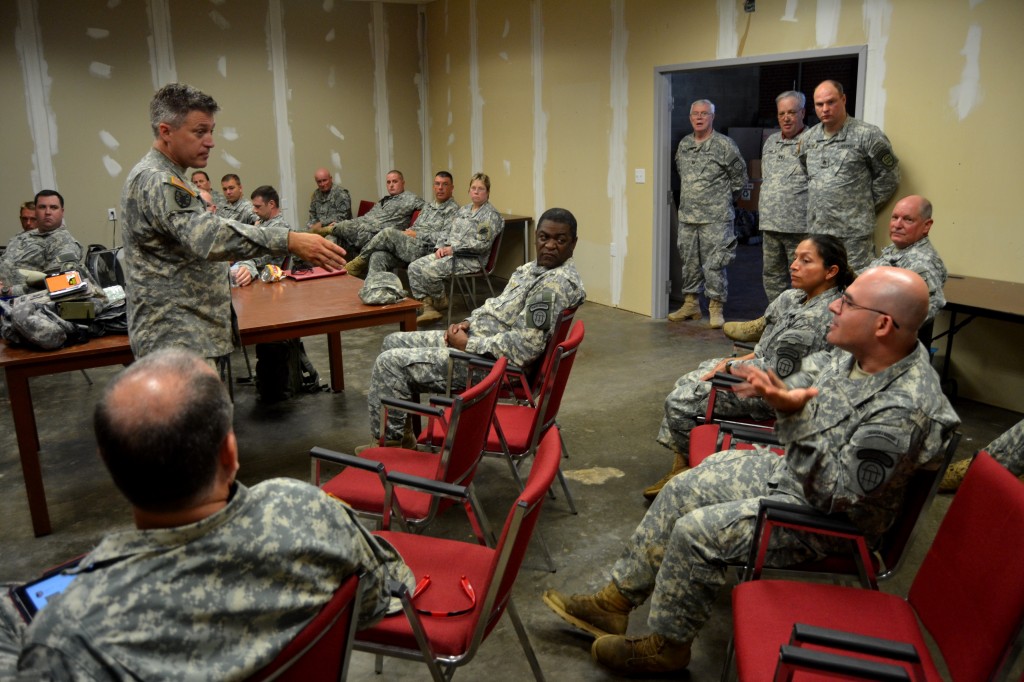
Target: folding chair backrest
[(553, 389), (560, 334), (515, 536), (492, 256), (968, 591), (321, 649), (364, 207), (471, 418), (917, 498)]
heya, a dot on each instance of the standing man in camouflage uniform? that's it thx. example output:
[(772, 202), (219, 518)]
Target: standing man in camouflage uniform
[(329, 203), (856, 422), (711, 173), (46, 249), (851, 173), (176, 252), (393, 210), (911, 249), (515, 324), (217, 578), (201, 179), (394, 247), (1007, 449), (236, 206), (266, 205), (782, 206), (27, 215)]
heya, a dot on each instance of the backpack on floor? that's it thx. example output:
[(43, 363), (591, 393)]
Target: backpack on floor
[(278, 370)]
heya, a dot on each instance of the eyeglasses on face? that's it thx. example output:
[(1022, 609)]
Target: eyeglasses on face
[(846, 302)]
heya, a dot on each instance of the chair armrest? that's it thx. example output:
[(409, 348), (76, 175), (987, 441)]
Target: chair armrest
[(363, 463), (794, 657), (745, 345), (441, 400), (806, 517), (428, 485), (413, 407), (855, 642), (725, 380), (751, 433)]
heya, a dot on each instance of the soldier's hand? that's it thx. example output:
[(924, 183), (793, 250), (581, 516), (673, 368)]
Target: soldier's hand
[(315, 249), (243, 277), (315, 226), (456, 337), (409, 233), (720, 367), (767, 385)]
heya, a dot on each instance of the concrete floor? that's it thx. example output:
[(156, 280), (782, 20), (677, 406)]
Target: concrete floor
[(626, 366)]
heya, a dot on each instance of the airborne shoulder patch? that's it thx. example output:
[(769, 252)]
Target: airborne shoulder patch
[(538, 310)]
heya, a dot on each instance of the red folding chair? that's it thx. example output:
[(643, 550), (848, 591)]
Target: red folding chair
[(444, 625), (364, 207), (320, 652), (467, 280), (967, 594), (368, 482)]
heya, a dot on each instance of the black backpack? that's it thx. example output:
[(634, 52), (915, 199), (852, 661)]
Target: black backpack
[(283, 370)]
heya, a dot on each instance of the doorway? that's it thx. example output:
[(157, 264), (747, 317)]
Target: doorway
[(743, 91)]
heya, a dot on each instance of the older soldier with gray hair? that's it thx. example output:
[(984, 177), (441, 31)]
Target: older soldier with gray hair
[(856, 423), (176, 252), (395, 209), (711, 173), (781, 206), (515, 324), (851, 173), (217, 577), (329, 203)]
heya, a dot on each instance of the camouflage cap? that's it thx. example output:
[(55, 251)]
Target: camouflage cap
[(382, 288)]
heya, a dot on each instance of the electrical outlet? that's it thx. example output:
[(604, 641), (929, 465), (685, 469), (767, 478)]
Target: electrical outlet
[(111, 214), (640, 176)]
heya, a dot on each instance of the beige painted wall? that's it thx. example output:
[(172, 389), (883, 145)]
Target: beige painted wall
[(949, 115)]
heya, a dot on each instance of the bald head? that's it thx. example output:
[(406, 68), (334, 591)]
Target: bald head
[(324, 181), (160, 426), (900, 292)]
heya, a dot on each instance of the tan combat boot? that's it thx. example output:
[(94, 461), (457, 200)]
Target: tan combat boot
[(954, 475), (408, 442), (745, 331), (358, 266), (678, 466), (429, 313), (715, 313), (690, 310), (604, 613), (632, 656)]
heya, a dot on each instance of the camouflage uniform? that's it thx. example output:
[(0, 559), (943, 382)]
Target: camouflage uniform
[(471, 231), (219, 200), (922, 258), (255, 265), (51, 251), (850, 176), (241, 210), (1008, 449), (216, 599), (515, 324), (782, 209), (329, 208), (390, 211), (392, 248), (177, 294), (710, 172), (850, 450), (793, 331)]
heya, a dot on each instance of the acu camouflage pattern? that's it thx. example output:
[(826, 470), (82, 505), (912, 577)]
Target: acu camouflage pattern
[(706, 249), (241, 210), (850, 450), (792, 331), (48, 252), (514, 324), (922, 258), (471, 231), (256, 265), (782, 209), (850, 175), (390, 211), (391, 248), (709, 173), (212, 600), (329, 208), (1008, 449), (381, 288), (175, 261)]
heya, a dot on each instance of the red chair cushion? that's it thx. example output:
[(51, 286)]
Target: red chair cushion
[(445, 561), (363, 491), (764, 612)]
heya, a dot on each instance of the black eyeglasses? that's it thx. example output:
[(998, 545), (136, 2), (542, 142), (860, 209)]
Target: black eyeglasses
[(844, 301)]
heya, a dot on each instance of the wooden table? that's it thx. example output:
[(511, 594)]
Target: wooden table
[(266, 312), (977, 297)]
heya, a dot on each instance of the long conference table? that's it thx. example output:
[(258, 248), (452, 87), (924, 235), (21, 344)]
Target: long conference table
[(266, 312)]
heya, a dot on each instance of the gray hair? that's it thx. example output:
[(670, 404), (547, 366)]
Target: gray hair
[(798, 96), (174, 102), (708, 102)]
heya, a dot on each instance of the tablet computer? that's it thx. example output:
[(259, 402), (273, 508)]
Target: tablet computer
[(31, 597)]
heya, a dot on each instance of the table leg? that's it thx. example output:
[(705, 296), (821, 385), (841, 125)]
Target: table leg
[(28, 450), (337, 364)]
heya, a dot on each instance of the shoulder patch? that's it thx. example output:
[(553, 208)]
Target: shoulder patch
[(178, 184), (539, 310), (878, 453), (888, 160)]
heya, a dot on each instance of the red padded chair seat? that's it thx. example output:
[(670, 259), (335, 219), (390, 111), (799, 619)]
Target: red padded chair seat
[(363, 491), (764, 612), (434, 556)]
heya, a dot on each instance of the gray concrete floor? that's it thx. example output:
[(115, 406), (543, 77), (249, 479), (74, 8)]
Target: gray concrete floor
[(626, 366)]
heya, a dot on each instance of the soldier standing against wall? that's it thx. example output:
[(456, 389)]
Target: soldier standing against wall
[(711, 172)]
